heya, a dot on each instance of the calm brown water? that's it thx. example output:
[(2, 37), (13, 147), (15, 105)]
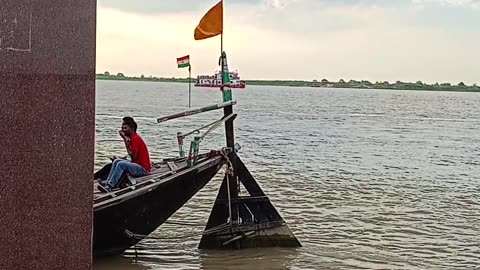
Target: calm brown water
[(366, 179)]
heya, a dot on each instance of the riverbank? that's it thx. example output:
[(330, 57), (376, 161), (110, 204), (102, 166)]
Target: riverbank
[(461, 87)]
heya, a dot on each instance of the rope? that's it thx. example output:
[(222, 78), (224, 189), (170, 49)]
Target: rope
[(213, 125), (230, 167), (229, 199), (217, 124), (228, 172), (183, 223), (227, 161), (198, 129)]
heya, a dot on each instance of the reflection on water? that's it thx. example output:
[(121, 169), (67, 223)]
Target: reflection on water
[(119, 263), (366, 179), (271, 258)]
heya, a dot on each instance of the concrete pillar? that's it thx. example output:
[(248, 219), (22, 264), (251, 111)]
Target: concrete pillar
[(47, 129)]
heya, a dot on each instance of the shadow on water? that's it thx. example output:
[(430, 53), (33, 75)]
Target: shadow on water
[(117, 263), (269, 258)]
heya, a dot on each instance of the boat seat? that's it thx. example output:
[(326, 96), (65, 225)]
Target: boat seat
[(129, 180), (172, 166)]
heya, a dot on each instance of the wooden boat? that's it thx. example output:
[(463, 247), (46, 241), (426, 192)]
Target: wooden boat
[(124, 217)]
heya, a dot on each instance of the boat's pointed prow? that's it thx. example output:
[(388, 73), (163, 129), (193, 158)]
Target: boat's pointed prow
[(245, 221), (242, 221)]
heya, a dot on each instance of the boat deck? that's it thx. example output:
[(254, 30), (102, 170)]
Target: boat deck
[(159, 171)]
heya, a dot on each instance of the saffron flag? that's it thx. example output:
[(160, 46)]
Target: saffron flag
[(211, 24), (183, 61)]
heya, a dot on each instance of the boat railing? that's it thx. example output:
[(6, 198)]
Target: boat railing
[(144, 183), (196, 111), (195, 143)]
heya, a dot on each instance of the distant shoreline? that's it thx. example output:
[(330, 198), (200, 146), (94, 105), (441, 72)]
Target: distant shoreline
[(324, 83)]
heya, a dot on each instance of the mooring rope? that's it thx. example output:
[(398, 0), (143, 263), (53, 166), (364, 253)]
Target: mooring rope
[(228, 172), (229, 225), (183, 223)]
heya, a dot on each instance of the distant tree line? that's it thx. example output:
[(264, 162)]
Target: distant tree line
[(121, 76), (363, 84), (418, 85)]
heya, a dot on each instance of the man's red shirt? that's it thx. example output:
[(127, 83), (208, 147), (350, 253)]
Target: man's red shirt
[(142, 157)]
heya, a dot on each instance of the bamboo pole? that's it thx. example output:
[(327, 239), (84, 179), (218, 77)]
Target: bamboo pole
[(196, 111)]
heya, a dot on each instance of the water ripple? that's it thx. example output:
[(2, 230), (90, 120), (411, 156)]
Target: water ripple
[(366, 179)]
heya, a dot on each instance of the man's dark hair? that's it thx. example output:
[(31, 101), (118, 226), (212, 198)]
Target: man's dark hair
[(127, 120)]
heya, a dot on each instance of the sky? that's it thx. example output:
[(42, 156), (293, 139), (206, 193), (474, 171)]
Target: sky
[(377, 40)]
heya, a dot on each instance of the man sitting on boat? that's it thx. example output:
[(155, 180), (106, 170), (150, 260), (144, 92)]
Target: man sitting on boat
[(138, 152)]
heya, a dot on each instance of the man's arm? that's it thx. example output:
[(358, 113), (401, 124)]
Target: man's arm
[(132, 153), (129, 148), (127, 142), (132, 148)]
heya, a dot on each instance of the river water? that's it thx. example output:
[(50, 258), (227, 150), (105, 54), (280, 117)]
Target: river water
[(366, 179)]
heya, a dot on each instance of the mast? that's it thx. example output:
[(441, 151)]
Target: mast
[(227, 93), (232, 182), (253, 220)]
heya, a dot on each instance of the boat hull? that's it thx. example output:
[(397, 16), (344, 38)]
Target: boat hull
[(123, 220)]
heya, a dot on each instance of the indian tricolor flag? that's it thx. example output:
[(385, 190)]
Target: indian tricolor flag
[(183, 61)]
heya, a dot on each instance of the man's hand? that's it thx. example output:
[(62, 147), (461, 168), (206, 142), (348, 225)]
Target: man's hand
[(122, 134), (112, 158)]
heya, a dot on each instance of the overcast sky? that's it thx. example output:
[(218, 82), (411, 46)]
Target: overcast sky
[(408, 40)]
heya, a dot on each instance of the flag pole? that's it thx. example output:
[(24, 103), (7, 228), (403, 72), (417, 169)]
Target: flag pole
[(230, 181), (237, 172), (221, 48), (221, 61), (189, 84)]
